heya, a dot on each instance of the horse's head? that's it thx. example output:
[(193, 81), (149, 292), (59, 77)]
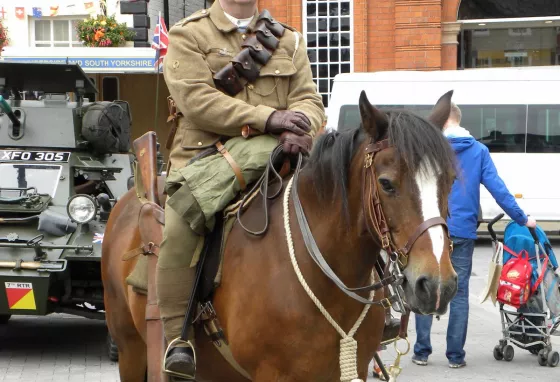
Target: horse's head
[(409, 171)]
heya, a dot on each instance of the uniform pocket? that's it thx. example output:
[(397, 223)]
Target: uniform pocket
[(271, 88), (195, 139), (217, 58)]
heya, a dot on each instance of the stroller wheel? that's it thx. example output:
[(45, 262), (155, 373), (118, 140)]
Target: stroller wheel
[(498, 355), (508, 352), (553, 358), (542, 357)]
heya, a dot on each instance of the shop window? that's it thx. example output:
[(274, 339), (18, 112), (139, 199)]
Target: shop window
[(511, 47), (55, 32), (328, 30), (110, 88)]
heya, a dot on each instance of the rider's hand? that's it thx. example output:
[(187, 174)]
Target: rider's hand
[(288, 120), (531, 223), (294, 144)]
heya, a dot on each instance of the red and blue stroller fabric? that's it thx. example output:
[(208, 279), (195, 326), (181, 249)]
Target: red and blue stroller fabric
[(518, 238)]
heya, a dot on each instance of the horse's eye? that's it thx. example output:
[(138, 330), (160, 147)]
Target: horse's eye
[(386, 184)]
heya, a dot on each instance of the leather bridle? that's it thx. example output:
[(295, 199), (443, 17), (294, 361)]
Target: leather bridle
[(375, 218)]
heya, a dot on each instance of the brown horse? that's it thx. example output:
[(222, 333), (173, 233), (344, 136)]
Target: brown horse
[(274, 330)]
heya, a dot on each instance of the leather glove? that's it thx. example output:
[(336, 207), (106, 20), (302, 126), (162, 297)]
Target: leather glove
[(287, 120), (294, 144)]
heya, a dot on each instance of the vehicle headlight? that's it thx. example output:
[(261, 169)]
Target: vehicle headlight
[(81, 208)]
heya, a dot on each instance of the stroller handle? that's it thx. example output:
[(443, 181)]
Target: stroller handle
[(534, 234), (492, 222)]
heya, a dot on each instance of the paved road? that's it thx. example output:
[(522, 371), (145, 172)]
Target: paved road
[(67, 348)]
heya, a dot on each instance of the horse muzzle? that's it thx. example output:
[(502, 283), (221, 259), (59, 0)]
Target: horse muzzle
[(431, 295)]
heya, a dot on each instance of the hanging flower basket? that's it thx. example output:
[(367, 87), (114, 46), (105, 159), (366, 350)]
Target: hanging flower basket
[(103, 31)]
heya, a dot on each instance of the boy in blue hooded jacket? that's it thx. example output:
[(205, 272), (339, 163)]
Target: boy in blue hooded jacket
[(476, 168)]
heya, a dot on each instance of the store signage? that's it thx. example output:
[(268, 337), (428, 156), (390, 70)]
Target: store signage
[(91, 62)]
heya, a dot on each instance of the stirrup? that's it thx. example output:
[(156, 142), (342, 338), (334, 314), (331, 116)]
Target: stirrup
[(173, 373)]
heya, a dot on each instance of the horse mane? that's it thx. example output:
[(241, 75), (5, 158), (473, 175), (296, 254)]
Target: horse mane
[(416, 140)]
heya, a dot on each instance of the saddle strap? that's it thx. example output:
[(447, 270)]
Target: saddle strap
[(235, 167)]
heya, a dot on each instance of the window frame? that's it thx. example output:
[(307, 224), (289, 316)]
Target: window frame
[(69, 19), (328, 48)]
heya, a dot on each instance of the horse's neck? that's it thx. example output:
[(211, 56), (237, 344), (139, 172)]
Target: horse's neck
[(349, 252)]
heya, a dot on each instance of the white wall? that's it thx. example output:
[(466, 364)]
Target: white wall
[(19, 31)]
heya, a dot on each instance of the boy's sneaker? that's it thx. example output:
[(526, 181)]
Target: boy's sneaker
[(419, 360), (455, 365)]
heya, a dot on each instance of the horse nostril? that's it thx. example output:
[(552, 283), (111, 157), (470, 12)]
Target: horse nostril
[(422, 288)]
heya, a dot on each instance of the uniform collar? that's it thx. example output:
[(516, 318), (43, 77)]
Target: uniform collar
[(221, 21)]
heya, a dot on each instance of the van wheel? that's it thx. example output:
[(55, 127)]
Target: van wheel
[(4, 318)]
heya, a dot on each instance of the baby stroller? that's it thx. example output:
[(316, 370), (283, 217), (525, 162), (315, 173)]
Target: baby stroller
[(537, 313)]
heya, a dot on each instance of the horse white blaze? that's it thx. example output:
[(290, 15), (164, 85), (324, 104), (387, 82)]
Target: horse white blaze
[(426, 179)]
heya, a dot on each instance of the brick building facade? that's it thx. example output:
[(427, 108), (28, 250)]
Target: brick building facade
[(380, 35), (372, 35)]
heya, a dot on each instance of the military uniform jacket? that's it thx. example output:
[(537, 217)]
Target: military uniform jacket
[(200, 46)]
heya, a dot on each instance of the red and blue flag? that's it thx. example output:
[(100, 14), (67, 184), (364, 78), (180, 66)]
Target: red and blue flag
[(160, 42)]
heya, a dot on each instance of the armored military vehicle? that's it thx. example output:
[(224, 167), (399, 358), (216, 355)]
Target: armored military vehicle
[(64, 161)]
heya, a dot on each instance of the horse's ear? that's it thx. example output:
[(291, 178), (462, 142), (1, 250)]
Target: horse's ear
[(374, 121), (440, 112)]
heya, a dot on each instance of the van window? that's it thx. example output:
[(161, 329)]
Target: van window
[(500, 127), (543, 129)]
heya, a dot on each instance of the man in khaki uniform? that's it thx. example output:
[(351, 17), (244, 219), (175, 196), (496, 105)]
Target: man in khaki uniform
[(283, 102)]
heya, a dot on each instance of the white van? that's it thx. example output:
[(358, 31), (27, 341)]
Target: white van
[(515, 112)]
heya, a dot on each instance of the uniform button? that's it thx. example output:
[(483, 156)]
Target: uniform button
[(200, 143), (251, 86), (277, 71), (243, 36)]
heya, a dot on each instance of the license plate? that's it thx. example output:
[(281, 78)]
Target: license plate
[(38, 156)]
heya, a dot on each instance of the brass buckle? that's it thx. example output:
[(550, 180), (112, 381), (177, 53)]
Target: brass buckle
[(369, 160), (402, 259), (385, 241), (173, 373), (386, 303)]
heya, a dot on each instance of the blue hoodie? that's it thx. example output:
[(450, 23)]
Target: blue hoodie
[(464, 199)]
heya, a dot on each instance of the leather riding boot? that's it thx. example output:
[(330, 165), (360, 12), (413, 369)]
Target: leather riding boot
[(175, 277)]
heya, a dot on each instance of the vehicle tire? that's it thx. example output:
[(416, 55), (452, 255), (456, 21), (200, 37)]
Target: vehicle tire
[(498, 355), (553, 358), (508, 353), (542, 357), (4, 318), (112, 350)]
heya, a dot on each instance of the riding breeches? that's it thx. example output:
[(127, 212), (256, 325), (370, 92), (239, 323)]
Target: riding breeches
[(175, 274)]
